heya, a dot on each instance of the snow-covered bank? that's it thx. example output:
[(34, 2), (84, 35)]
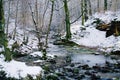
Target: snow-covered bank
[(18, 69), (91, 37)]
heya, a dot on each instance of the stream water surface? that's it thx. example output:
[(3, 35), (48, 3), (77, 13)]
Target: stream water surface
[(100, 66), (76, 63)]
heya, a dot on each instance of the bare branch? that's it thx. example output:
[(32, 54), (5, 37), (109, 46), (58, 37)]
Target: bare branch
[(77, 18)]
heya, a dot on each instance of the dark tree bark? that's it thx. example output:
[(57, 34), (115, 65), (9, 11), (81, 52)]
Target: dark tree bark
[(1, 16), (3, 39), (67, 20), (86, 11), (105, 5), (82, 10)]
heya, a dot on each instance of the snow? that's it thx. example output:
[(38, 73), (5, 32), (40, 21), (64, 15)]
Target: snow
[(38, 61), (40, 54), (116, 46), (18, 69), (107, 16), (10, 43), (91, 37), (35, 54)]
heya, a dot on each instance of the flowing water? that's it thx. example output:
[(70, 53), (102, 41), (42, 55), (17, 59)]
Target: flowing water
[(86, 56), (80, 54), (83, 61)]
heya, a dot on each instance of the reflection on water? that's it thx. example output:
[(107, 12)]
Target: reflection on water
[(90, 59), (84, 56), (79, 54)]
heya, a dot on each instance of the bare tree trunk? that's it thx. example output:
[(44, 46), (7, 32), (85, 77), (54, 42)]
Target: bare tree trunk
[(82, 10), (16, 19), (35, 22), (90, 9), (38, 33), (43, 16), (9, 5), (98, 6), (86, 11), (105, 5), (51, 15), (24, 20)]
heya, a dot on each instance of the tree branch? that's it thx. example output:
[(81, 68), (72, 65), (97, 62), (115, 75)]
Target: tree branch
[(77, 18)]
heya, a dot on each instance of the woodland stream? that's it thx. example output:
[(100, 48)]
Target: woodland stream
[(76, 63)]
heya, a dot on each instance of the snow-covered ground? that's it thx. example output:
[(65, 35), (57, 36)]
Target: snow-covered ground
[(18, 69), (91, 37)]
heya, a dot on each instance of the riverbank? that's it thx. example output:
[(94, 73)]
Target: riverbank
[(89, 36)]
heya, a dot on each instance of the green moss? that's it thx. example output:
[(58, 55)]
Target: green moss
[(52, 77), (67, 20), (46, 68), (3, 38), (7, 54), (44, 56), (3, 41), (76, 71)]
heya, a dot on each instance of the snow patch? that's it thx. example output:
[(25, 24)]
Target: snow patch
[(18, 69), (35, 54), (40, 54)]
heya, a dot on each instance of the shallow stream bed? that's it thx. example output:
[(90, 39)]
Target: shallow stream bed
[(86, 64), (76, 63)]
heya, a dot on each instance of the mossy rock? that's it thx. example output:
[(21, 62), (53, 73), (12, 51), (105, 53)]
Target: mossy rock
[(115, 52), (64, 42), (46, 68), (52, 77), (76, 71), (17, 54)]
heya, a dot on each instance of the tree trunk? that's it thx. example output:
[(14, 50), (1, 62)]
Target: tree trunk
[(67, 20), (16, 19), (105, 5), (51, 15), (37, 30), (85, 8), (90, 9), (35, 22), (9, 2), (3, 39), (82, 11), (1, 17), (98, 6)]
